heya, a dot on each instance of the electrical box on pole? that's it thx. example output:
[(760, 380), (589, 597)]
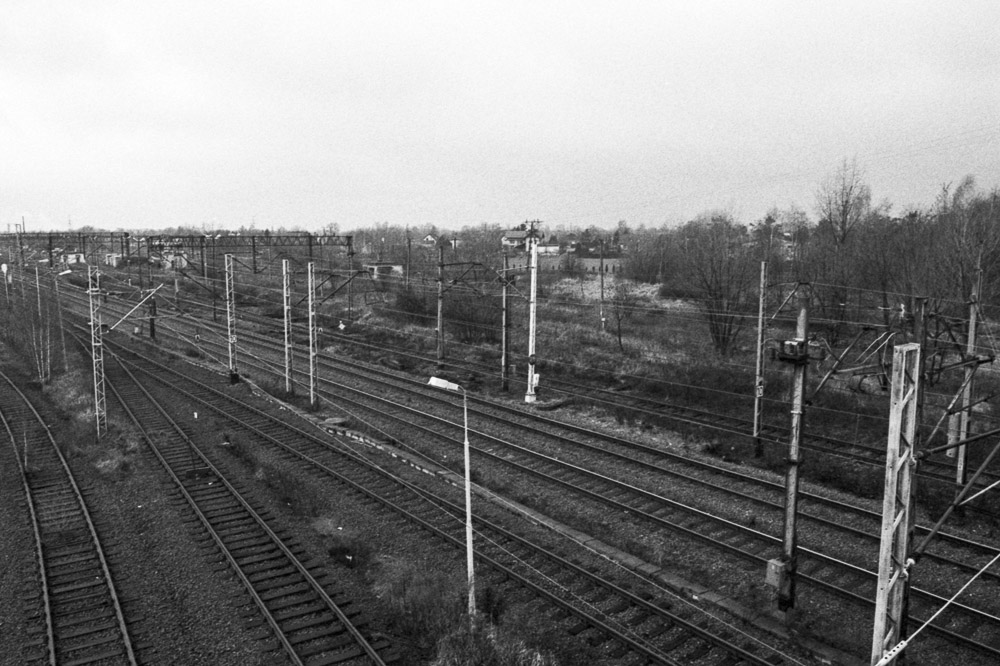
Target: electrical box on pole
[(897, 518), (286, 307), (311, 282), (234, 375)]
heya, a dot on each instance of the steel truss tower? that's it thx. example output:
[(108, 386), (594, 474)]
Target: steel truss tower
[(897, 518)]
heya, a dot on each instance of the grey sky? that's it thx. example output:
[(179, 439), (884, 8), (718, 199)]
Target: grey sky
[(143, 114)]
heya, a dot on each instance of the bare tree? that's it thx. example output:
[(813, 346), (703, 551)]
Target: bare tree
[(719, 260), (843, 201), (624, 298)]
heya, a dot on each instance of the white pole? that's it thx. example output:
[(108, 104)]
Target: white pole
[(468, 510), (230, 318), (529, 396), (287, 308), (437, 382), (758, 396), (311, 280)]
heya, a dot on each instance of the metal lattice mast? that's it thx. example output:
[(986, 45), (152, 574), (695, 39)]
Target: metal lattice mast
[(231, 319), (97, 349), (312, 334), (287, 309), (900, 461)]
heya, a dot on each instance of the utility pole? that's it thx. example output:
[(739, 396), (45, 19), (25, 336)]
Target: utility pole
[(961, 471), (350, 277), (758, 399), (440, 304), (152, 317), (406, 278), (602, 286), (782, 573), (97, 349), (311, 284), (286, 300), (234, 375), (897, 517), (532, 247), (504, 328), (62, 332)]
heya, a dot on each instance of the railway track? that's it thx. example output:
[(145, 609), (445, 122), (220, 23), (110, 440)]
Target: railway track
[(79, 615), (618, 620), (964, 627), (201, 331), (960, 625), (312, 625)]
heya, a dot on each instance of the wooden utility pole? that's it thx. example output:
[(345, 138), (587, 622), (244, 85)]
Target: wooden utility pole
[(758, 394)]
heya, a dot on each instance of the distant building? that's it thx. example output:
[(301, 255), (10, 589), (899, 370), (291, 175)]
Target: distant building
[(380, 270)]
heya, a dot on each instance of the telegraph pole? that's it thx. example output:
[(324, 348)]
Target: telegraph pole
[(532, 248)]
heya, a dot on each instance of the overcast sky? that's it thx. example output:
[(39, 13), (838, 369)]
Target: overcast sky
[(228, 114)]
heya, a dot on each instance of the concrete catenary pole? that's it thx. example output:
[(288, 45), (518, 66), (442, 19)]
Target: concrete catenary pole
[(231, 320), (758, 394), (786, 591), (532, 248), (504, 327)]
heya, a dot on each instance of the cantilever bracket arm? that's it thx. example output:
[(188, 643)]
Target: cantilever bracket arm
[(137, 306)]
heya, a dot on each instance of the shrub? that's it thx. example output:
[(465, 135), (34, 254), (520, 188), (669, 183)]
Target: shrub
[(489, 646), (425, 604)]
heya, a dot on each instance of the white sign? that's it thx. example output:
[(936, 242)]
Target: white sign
[(3, 267)]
